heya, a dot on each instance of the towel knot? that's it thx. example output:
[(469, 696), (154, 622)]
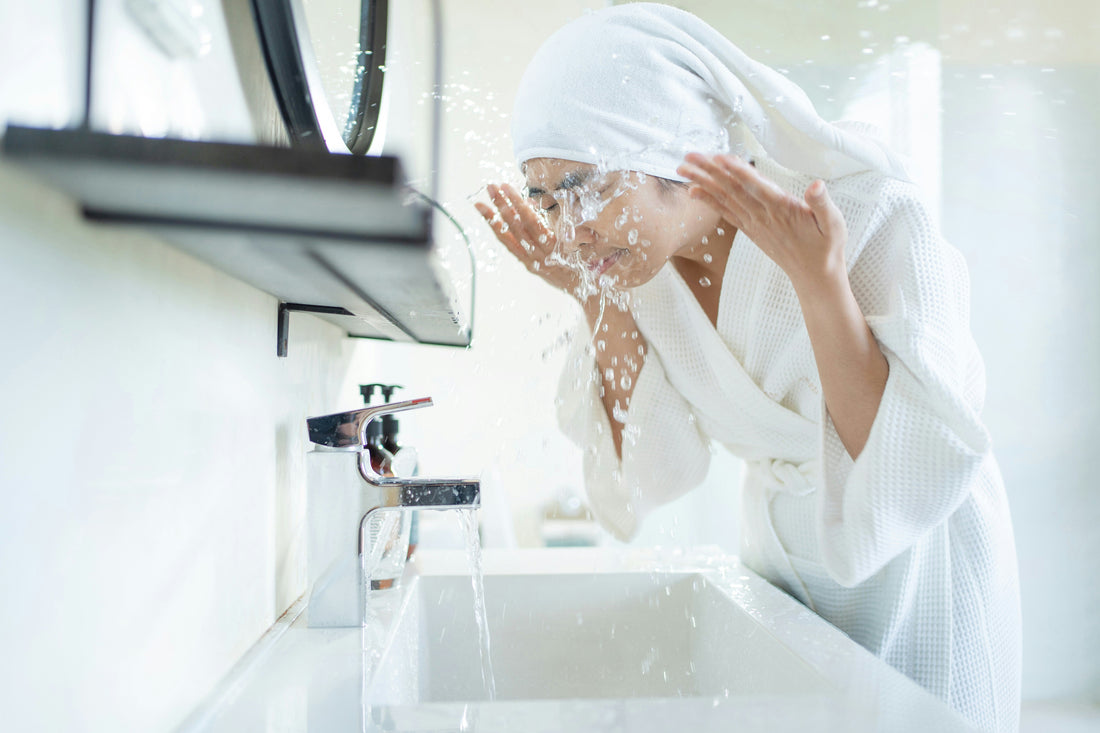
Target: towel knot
[(776, 476)]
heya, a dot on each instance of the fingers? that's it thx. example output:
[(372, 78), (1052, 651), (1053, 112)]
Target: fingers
[(735, 219), (827, 216), (517, 226), (714, 186), (505, 206), (530, 222), (736, 183), (521, 217), (500, 229)]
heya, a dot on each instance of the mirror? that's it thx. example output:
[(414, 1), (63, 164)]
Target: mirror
[(327, 61)]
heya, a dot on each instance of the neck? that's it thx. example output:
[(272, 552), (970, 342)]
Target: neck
[(709, 254)]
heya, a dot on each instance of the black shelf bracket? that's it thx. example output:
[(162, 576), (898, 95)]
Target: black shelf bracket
[(282, 328)]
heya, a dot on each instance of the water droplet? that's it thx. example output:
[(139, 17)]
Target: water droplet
[(634, 335), (705, 282), (626, 381), (632, 236), (708, 258), (720, 231), (609, 375), (706, 240)]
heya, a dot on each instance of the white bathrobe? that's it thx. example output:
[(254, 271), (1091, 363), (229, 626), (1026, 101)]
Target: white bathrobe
[(909, 549)]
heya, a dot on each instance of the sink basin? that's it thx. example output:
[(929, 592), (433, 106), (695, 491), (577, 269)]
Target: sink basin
[(580, 640), (584, 636)]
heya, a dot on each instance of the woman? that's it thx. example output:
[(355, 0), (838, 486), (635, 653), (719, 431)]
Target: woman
[(784, 293)]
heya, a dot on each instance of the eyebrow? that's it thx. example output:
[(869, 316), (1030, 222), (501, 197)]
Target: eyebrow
[(572, 179)]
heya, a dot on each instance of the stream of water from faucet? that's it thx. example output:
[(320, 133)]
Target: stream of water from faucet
[(468, 518)]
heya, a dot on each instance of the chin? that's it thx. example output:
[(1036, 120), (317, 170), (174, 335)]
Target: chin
[(635, 277)]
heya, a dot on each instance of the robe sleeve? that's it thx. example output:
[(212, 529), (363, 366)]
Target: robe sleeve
[(927, 442), (664, 453)]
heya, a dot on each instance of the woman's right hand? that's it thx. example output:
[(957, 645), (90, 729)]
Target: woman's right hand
[(620, 348), (528, 237)]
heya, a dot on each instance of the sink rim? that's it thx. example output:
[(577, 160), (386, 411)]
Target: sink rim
[(292, 657)]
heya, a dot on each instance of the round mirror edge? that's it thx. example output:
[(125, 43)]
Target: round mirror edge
[(280, 42), (314, 96), (366, 109)]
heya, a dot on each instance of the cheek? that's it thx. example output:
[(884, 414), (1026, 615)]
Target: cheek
[(625, 224), (640, 267)]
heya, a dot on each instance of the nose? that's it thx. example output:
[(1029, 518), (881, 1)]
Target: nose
[(577, 235), (574, 232)]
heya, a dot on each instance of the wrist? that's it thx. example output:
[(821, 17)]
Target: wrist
[(823, 288)]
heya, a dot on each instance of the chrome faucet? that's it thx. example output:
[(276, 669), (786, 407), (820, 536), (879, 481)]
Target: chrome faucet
[(346, 432)]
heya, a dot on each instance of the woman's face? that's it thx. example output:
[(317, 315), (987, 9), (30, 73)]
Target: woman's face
[(621, 225)]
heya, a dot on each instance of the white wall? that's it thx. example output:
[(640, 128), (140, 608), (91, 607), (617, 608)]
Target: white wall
[(151, 443), (1020, 171)]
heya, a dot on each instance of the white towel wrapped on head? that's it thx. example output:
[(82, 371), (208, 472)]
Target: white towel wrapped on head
[(636, 87)]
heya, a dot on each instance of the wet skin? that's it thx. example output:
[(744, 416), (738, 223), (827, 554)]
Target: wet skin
[(619, 229)]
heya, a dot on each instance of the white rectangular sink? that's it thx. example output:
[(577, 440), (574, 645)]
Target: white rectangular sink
[(584, 636), (581, 640)]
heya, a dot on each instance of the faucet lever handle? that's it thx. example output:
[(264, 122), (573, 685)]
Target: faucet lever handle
[(348, 430), (388, 409)]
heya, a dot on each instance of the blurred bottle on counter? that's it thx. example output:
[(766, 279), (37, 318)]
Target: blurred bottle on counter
[(388, 531), (567, 522), (404, 461)]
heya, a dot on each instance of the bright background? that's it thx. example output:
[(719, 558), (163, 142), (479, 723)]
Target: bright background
[(152, 448)]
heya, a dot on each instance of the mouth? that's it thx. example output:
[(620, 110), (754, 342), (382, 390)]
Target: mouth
[(600, 265)]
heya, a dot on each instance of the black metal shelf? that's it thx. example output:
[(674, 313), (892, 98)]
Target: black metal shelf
[(336, 235)]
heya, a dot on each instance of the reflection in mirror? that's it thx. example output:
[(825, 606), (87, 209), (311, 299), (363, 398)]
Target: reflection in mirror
[(327, 61), (348, 40)]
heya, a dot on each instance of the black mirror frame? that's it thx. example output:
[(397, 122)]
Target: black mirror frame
[(292, 68)]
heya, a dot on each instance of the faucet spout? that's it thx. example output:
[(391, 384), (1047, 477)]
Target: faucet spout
[(418, 493), (348, 431)]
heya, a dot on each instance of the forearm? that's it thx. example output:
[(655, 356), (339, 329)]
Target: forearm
[(620, 353), (850, 363)]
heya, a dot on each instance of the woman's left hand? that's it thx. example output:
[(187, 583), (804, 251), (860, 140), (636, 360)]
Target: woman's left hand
[(806, 238)]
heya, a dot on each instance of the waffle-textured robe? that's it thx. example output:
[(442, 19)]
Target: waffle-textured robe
[(909, 549)]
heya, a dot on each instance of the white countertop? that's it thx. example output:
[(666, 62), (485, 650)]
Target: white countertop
[(725, 650)]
